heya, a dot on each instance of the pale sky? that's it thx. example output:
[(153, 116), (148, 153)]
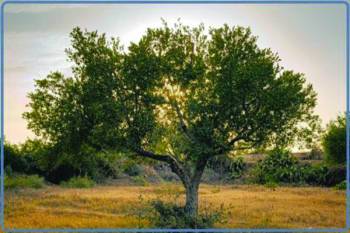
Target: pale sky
[(309, 38)]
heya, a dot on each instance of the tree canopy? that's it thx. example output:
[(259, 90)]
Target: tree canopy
[(334, 140), (180, 95)]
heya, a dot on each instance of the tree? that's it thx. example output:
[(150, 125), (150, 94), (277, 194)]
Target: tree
[(334, 141), (179, 95)]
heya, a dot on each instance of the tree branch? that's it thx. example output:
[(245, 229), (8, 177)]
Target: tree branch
[(183, 126), (175, 166)]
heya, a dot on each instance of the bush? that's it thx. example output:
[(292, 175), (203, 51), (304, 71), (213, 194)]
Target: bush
[(334, 141), (327, 175), (271, 185), (278, 166), (24, 181), (18, 161), (78, 182), (341, 185), (96, 165), (139, 180), (281, 167), (108, 164), (168, 215), (133, 169), (335, 174), (315, 175)]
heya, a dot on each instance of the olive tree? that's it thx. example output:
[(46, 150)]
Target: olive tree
[(180, 95)]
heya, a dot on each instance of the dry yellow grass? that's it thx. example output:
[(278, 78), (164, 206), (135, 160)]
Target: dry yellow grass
[(115, 206)]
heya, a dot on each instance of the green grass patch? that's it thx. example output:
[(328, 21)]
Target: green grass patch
[(24, 181)]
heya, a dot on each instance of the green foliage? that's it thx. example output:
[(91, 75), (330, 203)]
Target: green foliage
[(234, 167), (281, 167), (169, 215), (96, 165), (24, 181), (25, 158), (315, 175), (134, 169), (341, 186), (178, 95), (78, 182), (139, 180), (214, 85), (278, 166), (13, 160), (334, 141), (324, 174), (271, 185)]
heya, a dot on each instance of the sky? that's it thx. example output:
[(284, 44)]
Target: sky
[(309, 38)]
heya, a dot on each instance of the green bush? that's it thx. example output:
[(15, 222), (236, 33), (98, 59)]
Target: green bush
[(334, 141), (281, 167), (133, 169), (96, 165), (278, 166), (24, 181), (36, 157), (315, 175), (324, 174), (78, 182), (341, 185), (139, 180), (169, 215), (18, 160), (271, 185)]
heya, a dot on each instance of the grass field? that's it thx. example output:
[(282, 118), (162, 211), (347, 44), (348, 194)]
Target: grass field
[(118, 206)]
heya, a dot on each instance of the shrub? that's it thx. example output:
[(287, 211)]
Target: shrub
[(323, 174), (169, 215), (341, 185), (24, 181), (234, 167), (108, 164), (18, 160), (96, 165), (133, 169), (271, 185), (278, 166), (315, 175), (335, 174), (78, 182), (139, 180), (334, 141), (281, 167)]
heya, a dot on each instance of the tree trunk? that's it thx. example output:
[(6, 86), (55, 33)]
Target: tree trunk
[(191, 206)]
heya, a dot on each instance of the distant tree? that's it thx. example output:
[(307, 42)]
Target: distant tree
[(178, 95), (334, 141)]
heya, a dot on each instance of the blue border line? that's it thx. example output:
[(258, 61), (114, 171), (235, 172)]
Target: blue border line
[(174, 2), (347, 121), (2, 204), (33, 230)]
